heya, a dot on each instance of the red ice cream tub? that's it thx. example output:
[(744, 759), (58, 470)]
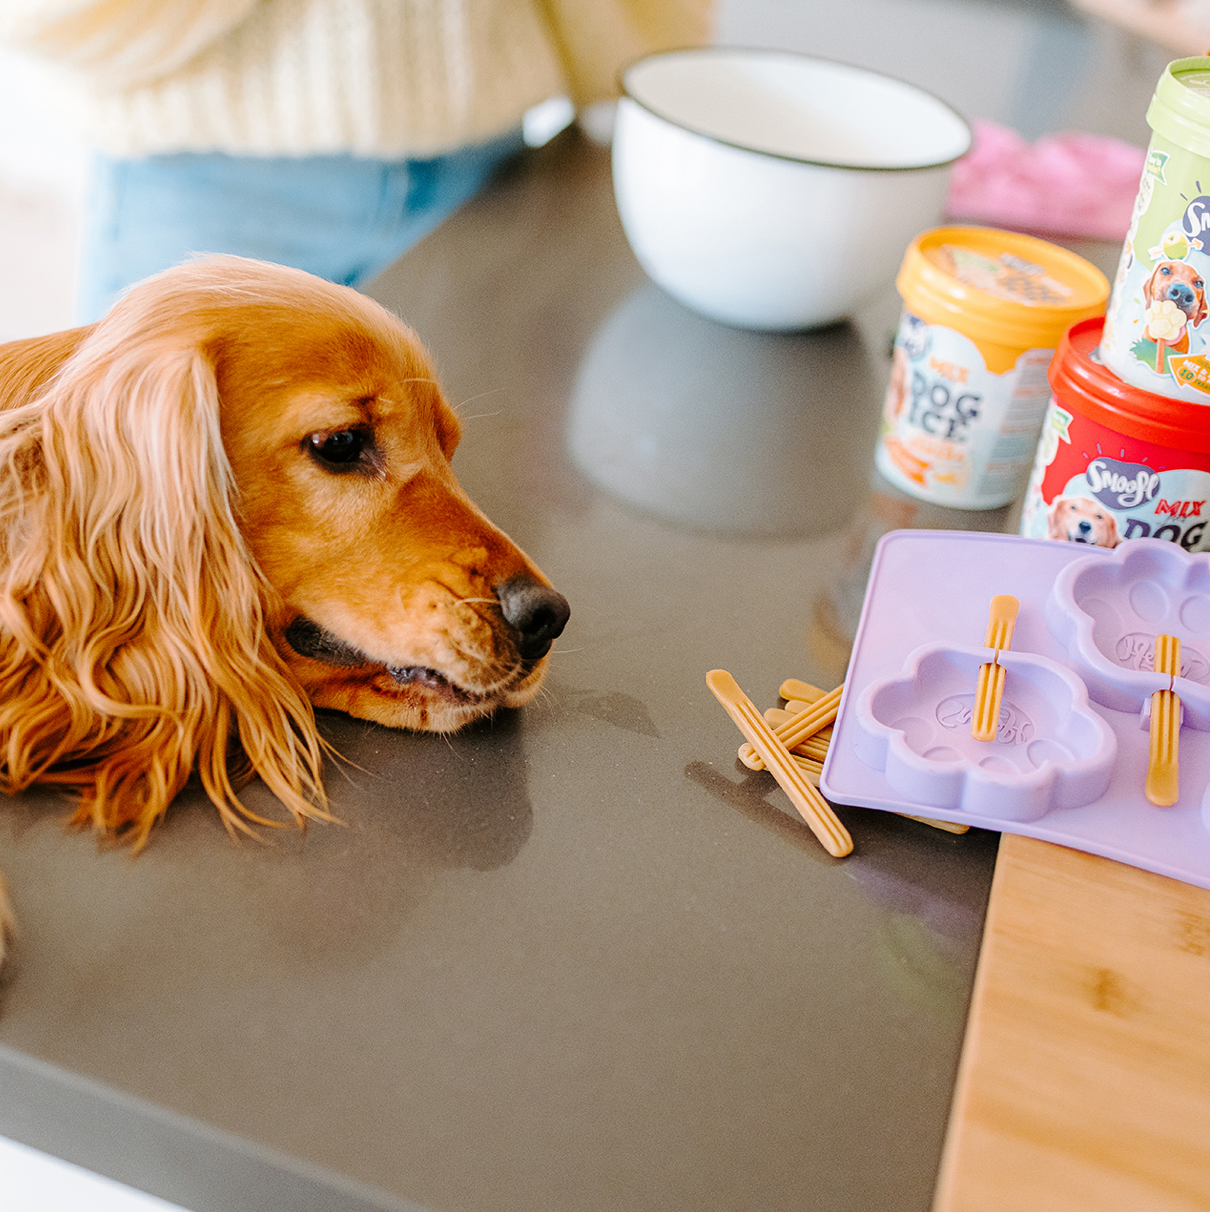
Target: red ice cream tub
[(1116, 462)]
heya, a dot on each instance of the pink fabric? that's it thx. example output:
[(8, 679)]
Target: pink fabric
[(1065, 185)]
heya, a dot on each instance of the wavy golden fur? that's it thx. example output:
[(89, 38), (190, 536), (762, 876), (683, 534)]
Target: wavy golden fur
[(229, 500)]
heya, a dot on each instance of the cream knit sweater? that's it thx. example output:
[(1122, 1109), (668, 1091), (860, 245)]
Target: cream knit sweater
[(383, 78)]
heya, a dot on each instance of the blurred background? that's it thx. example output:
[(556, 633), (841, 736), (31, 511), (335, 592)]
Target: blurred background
[(1041, 56)]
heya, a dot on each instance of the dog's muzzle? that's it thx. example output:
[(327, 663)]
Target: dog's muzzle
[(1183, 296), (536, 614)]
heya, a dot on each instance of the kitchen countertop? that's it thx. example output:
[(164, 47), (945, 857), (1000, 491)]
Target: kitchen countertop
[(576, 958)]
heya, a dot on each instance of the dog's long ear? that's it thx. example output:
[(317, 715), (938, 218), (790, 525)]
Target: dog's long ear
[(1054, 528), (133, 647), (27, 366), (1147, 288)]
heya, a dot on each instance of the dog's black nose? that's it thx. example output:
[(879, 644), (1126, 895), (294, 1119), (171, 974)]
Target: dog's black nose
[(1084, 527), (1181, 294), (534, 611)]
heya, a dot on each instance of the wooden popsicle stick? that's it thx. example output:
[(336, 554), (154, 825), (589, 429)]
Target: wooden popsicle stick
[(815, 747), (989, 690), (812, 807), (805, 692), (989, 694), (779, 715), (799, 696), (809, 755), (824, 735), (794, 706), (803, 726), (1001, 621), (813, 770), (944, 826), (1162, 787)]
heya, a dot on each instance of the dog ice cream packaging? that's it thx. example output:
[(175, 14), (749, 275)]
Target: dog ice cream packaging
[(983, 313), (1115, 462), (1157, 336)]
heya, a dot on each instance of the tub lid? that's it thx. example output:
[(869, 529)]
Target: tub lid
[(1081, 381), (1180, 108), (999, 286)]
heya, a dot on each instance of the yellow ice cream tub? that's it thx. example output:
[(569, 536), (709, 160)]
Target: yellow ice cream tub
[(983, 313)]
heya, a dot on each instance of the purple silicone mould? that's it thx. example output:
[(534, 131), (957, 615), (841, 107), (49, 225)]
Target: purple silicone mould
[(1051, 749), (930, 589), (1107, 611)]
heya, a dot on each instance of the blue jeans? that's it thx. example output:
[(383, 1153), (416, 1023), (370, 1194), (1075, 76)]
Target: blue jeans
[(343, 218)]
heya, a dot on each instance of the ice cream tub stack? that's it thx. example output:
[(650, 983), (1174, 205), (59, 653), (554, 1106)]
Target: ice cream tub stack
[(1124, 451), (1157, 336)]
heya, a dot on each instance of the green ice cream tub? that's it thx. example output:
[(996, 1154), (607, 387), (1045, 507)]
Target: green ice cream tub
[(1157, 330)]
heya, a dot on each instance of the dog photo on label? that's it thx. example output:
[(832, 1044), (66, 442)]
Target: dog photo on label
[(1079, 520), (229, 502), (1182, 288)]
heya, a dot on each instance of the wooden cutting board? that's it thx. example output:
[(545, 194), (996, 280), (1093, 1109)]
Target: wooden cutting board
[(1085, 1076)]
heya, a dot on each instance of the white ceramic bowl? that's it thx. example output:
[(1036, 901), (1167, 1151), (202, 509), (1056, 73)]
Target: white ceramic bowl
[(774, 190)]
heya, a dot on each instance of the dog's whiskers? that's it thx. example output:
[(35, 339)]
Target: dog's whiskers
[(471, 399), (417, 379)]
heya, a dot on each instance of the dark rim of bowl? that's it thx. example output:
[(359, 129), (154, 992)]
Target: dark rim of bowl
[(790, 54)]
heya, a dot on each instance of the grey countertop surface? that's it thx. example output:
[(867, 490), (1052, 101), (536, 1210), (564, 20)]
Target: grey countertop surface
[(577, 958)]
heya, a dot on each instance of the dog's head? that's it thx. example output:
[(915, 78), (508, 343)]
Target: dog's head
[(1079, 520), (229, 497), (1180, 284), (400, 601)]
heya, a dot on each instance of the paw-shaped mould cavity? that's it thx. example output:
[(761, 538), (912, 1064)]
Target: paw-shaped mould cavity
[(1107, 610), (1051, 749)]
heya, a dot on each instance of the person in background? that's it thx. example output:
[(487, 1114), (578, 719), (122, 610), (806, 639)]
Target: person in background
[(325, 134)]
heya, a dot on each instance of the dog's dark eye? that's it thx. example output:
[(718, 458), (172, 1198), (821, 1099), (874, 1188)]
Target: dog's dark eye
[(1198, 283), (1165, 271), (339, 447)]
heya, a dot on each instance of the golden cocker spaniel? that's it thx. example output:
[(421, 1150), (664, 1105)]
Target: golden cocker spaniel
[(227, 501), (1079, 520)]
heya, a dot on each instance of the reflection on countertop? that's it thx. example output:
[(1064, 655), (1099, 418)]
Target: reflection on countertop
[(836, 610), (725, 429)]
